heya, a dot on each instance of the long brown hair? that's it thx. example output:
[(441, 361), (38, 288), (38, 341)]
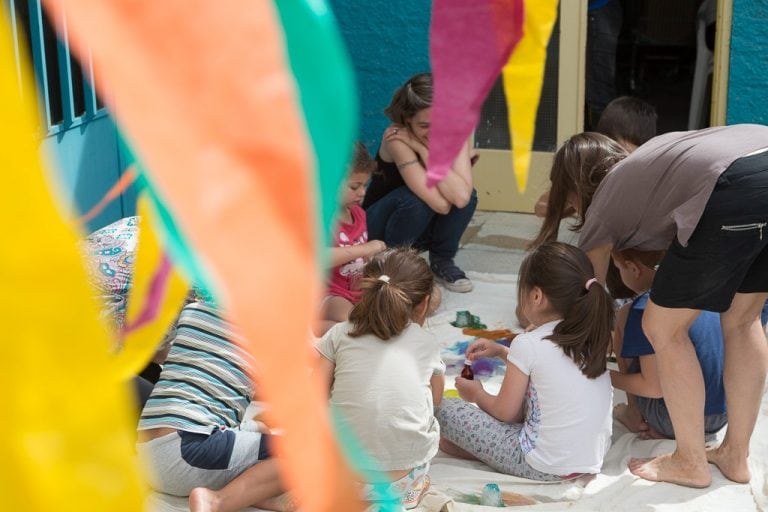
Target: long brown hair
[(394, 283), (414, 95), (562, 271), (579, 166)]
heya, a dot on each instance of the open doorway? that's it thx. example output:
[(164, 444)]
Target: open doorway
[(665, 55)]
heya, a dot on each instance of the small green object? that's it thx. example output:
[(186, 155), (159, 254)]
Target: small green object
[(466, 319)]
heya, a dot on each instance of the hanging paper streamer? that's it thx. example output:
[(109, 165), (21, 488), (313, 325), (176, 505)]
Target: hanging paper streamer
[(523, 76), (469, 44), (220, 130), (67, 441), (168, 231), (156, 296), (328, 99)]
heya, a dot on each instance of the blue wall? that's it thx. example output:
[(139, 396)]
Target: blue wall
[(748, 80), (388, 42)]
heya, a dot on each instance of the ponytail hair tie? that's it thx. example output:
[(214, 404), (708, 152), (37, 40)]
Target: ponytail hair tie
[(589, 283), (384, 278)]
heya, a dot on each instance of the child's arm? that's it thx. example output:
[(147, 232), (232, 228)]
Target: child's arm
[(325, 368), (437, 383), (482, 347), (618, 336), (341, 255), (646, 383), (507, 406)]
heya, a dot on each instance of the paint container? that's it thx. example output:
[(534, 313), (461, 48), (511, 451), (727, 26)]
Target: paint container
[(466, 372), (491, 496)]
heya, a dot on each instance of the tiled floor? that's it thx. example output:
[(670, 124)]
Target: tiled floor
[(495, 242)]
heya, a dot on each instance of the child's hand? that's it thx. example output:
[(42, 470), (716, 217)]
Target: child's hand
[(468, 390), (482, 347), (374, 247)]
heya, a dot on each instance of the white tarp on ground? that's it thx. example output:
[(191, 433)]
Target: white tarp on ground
[(455, 482)]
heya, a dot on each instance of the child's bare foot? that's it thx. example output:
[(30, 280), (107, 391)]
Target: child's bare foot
[(202, 499), (630, 417), (282, 503), (651, 433), (733, 466), (454, 450), (673, 469)]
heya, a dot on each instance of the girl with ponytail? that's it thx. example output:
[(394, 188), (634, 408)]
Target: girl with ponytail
[(552, 416), (385, 374)]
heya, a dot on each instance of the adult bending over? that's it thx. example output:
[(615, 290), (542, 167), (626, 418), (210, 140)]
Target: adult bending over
[(401, 209), (704, 196)]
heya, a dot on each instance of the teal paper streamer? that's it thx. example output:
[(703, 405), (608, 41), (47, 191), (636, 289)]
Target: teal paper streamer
[(326, 85), (173, 239)]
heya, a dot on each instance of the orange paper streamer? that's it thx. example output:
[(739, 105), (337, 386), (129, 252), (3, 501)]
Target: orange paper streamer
[(204, 95)]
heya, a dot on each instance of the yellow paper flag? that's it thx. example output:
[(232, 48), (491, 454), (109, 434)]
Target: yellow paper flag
[(67, 439), (156, 296), (523, 76)]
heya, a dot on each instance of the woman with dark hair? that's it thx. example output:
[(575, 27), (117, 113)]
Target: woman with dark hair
[(401, 209), (703, 197)]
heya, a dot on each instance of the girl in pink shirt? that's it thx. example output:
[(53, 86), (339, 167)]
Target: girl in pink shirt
[(351, 247)]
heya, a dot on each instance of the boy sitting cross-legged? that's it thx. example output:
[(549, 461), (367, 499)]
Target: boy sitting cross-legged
[(645, 412)]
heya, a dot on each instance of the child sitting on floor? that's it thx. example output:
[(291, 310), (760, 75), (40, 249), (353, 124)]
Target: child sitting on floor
[(645, 412), (351, 245), (384, 373), (552, 416), (190, 440)]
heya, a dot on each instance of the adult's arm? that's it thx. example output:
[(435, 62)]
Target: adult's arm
[(456, 188), (457, 185), (600, 258), (409, 164)]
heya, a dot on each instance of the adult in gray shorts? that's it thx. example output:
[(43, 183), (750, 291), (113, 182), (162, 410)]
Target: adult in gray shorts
[(703, 197)]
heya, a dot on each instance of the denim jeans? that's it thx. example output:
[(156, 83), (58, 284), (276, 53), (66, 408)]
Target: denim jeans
[(402, 219)]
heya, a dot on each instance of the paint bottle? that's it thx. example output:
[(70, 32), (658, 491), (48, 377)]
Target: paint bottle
[(491, 496), (466, 372)]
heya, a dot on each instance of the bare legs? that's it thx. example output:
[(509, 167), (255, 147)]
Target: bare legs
[(683, 387), (257, 486), (746, 360)]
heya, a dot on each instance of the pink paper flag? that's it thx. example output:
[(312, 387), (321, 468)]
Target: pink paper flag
[(469, 44)]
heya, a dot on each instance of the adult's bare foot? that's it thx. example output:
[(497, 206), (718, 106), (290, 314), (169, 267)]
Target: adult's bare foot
[(203, 500), (734, 467), (630, 417), (673, 469)]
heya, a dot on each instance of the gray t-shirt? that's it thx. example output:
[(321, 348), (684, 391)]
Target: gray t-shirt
[(660, 191), (382, 389)]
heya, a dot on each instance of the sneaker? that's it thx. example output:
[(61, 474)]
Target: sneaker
[(451, 276)]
